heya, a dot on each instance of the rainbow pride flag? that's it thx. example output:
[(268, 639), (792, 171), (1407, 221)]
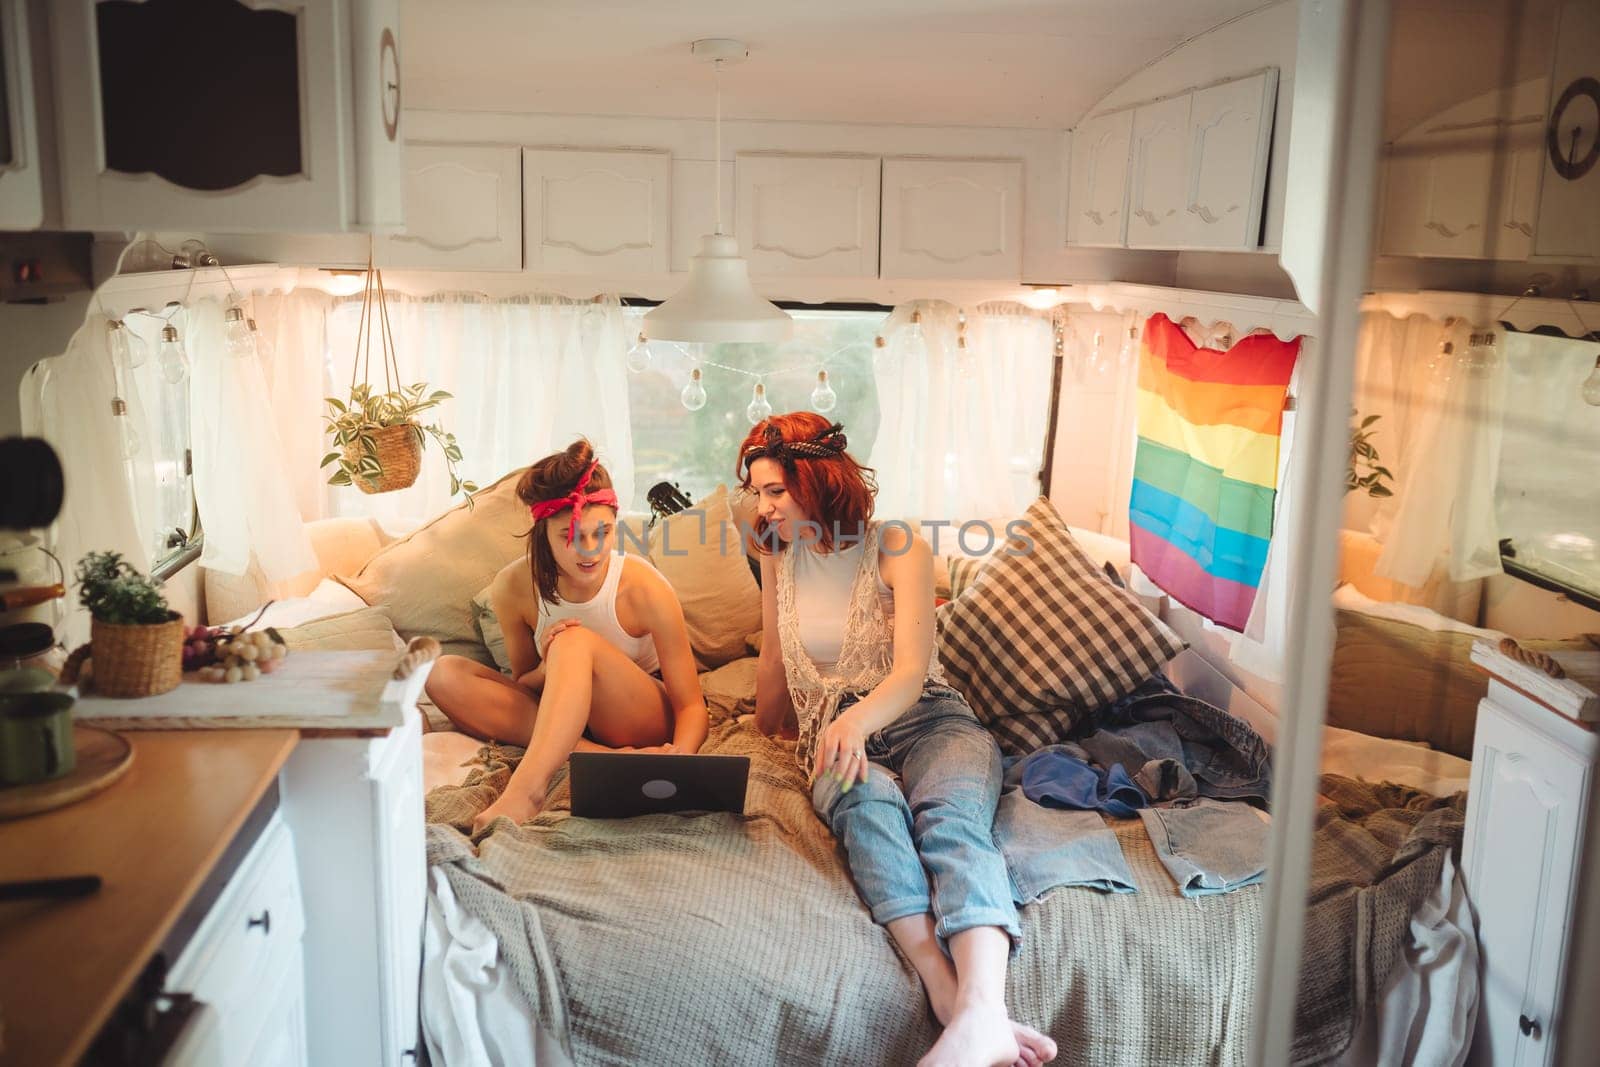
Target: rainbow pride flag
[(1205, 474)]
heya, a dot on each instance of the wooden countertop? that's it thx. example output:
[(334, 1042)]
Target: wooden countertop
[(152, 837)]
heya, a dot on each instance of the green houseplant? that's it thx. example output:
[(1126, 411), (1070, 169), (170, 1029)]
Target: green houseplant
[(135, 639), (1365, 470), (379, 439)]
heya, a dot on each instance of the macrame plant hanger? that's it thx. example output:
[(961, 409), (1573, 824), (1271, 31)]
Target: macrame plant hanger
[(396, 449)]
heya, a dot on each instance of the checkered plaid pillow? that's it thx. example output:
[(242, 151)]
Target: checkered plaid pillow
[(1041, 638)]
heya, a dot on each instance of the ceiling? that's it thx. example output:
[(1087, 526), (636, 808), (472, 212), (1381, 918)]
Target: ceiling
[(1017, 63)]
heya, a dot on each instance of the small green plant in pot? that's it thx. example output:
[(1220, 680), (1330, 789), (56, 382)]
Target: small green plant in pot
[(1365, 470), (379, 439), (135, 639)]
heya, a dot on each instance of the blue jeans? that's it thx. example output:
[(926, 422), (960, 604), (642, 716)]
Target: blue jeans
[(939, 827)]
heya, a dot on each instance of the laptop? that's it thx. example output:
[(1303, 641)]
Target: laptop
[(621, 785)]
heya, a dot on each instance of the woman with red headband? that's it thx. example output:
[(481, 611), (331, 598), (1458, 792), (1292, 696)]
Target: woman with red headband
[(600, 657), (901, 771)]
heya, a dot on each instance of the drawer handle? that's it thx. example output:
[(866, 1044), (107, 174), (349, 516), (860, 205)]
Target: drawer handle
[(264, 920), (409, 1054), (1529, 1026)]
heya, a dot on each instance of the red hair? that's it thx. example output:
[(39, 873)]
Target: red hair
[(835, 491)]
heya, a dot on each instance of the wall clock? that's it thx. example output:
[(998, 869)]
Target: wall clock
[(1566, 131), (389, 72)]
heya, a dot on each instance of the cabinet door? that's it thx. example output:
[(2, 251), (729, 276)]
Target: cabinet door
[(952, 218), (1569, 224), (1524, 814), (22, 182), (402, 878), (595, 212), (463, 210), (228, 116), (809, 215), (1098, 191), (1159, 184), (1230, 131)]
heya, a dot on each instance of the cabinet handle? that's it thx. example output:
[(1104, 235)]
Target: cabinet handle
[(1529, 1027), (409, 1054), (264, 920)]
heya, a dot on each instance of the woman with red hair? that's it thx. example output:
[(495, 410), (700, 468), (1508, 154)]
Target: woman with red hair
[(600, 656), (847, 663)]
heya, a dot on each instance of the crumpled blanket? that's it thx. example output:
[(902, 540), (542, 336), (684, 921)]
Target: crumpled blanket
[(1378, 853)]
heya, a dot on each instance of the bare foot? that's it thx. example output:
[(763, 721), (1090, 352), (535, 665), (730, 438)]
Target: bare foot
[(978, 1035), (519, 809), (1033, 1047)]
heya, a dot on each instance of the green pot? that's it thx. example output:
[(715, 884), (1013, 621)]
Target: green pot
[(35, 737)]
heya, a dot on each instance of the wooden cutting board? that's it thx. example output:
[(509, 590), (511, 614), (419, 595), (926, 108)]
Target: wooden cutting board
[(103, 757)]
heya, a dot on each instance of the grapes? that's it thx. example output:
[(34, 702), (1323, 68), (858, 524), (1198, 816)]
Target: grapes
[(223, 655)]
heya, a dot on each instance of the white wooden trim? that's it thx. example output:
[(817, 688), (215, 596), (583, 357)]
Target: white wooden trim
[(1287, 319), (1573, 318), (1565, 695)]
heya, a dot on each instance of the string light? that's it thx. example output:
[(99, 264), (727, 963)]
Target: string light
[(760, 408), (823, 398), (1481, 358), (694, 394), (236, 335), (1591, 386), (639, 355), (1130, 343), (263, 346), (174, 360), (127, 348)]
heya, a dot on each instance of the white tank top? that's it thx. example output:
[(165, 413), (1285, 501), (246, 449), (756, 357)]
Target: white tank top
[(822, 587), (600, 615)]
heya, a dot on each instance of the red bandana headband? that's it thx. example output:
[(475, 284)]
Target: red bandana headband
[(577, 500)]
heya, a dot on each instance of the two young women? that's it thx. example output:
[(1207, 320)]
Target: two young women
[(901, 771)]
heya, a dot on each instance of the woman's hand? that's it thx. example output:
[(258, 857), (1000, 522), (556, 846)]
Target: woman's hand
[(842, 751), (532, 681), (668, 748), (556, 628)]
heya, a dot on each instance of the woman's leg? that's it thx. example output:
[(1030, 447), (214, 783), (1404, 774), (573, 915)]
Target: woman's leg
[(481, 701), (588, 682)]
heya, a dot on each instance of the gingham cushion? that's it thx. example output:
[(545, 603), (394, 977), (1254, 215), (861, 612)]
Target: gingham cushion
[(1041, 638)]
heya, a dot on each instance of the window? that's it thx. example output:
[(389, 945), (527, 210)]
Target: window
[(695, 450), (1547, 499)]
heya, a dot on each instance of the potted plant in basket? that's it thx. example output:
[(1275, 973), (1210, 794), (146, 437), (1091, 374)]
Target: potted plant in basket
[(379, 439), (135, 640)]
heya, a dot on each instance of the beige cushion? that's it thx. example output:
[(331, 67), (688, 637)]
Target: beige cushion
[(1042, 637), (721, 600), (341, 546), (1358, 561), (426, 581), (730, 690), (354, 631), (489, 632)]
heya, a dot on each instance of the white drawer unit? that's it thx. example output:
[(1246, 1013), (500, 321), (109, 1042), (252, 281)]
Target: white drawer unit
[(244, 961), (355, 805), (952, 218), (1529, 837), (594, 212), (232, 116), (463, 209), (808, 215)]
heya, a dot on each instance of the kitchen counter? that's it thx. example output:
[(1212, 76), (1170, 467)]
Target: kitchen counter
[(155, 838)]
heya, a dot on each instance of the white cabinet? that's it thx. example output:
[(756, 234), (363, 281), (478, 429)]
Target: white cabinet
[(1569, 219), (1527, 836), (245, 958), (1465, 183), (1097, 196), (591, 212), (1158, 179), (230, 116), (355, 806), (952, 218), (808, 215), (1230, 133), (463, 208), (28, 197)]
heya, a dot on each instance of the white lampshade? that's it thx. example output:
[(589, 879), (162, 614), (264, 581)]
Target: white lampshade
[(718, 303)]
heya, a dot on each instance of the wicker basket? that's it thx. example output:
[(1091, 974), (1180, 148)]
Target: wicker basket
[(399, 454), (136, 660)]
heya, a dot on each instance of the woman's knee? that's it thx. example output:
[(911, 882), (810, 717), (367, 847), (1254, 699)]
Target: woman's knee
[(447, 675), (576, 644), (830, 798)]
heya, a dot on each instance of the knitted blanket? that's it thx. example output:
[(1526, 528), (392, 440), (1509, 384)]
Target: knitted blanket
[(723, 938)]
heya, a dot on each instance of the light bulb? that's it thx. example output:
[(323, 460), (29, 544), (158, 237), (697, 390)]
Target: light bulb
[(823, 398), (1591, 385), (759, 408), (1097, 352), (263, 346), (236, 335), (174, 360), (1130, 345), (127, 436), (639, 355), (694, 394), (1481, 358), (915, 345), (126, 348)]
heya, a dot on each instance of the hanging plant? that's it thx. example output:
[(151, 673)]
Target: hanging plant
[(377, 436), (1365, 471)]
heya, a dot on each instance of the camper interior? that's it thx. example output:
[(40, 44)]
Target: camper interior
[(1236, 362)]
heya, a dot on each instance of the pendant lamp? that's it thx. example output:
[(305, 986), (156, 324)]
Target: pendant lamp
[(718, 303)]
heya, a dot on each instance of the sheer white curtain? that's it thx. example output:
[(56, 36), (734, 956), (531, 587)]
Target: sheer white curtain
[(1440, 433), (527, 375), (241, 481), (962, 430)]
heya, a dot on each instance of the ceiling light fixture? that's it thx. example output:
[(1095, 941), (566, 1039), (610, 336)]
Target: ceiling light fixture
[(718, 303)]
